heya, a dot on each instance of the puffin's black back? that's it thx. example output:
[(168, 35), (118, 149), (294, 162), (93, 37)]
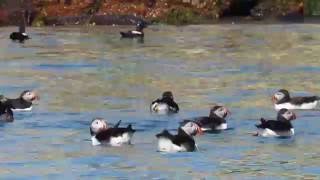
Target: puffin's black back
[(275, 125), (114, 132), (301, 100), (19, 103)]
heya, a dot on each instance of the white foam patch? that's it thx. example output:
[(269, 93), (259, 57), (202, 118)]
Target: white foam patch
[(304, 106), (22, 110), (25, 34)]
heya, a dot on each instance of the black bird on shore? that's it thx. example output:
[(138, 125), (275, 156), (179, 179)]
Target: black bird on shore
[(138, 33), (21, 35)]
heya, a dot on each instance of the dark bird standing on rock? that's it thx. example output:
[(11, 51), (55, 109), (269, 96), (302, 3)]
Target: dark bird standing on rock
[(20, 36)]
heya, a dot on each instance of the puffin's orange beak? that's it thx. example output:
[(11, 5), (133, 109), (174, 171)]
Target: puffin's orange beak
[(274, 99), (35, 96), (228, 112), (293, 116), (199, 131)]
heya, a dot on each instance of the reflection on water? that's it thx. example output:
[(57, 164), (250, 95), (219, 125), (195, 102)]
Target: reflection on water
[(82, 73)]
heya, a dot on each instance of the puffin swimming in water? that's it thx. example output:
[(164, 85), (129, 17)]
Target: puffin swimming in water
[(101, 133), (24, 101), (6, 114), (282, 99), (138, 33), (165, 105), (214, 122), (20, 36), (281, 127), (181, 142)]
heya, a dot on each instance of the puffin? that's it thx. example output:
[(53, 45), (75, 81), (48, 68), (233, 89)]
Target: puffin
[(21, 35), (281, 127), (24, 101), (101, 133), (138, 33), (282, 99), (181, 142), (214, 122), (164, 105), (6, 114)]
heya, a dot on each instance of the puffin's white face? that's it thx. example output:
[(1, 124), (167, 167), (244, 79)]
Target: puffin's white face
[(98, 125), (30, 96), (289, 115), (3, 99), (191, 129), (222, 112), (278, 96)]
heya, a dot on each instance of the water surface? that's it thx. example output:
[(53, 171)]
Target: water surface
[(82, 73)]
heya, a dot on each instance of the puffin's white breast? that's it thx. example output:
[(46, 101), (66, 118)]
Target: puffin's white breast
[(136, 32), (22, 110), (305, 106), (125, 138), (160, 108), (95, 141), (222, 126), (166, 145), (269, 133)]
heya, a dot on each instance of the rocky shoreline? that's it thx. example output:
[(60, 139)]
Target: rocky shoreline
[(127, 12)]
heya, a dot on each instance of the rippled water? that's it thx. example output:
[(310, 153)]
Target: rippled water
[(82, 73)]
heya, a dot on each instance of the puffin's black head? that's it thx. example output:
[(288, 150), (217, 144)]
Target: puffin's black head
[(219, 111), (285, 115), (281, 96), (167, 95), (29, 96), (141, 25)]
